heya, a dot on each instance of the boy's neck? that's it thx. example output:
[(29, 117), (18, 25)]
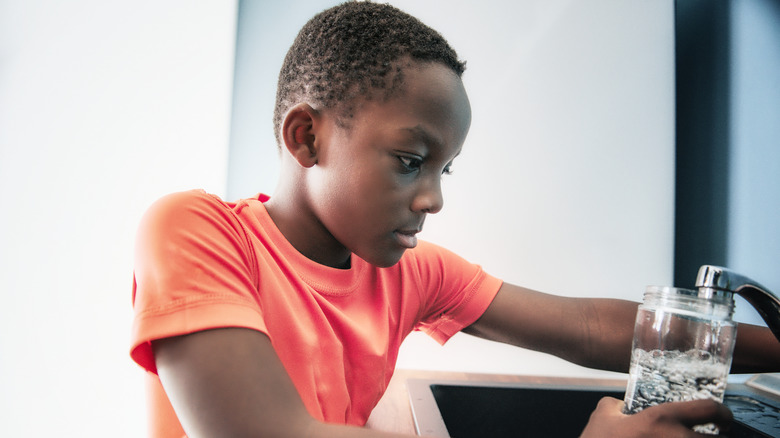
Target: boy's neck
[(306, 233)]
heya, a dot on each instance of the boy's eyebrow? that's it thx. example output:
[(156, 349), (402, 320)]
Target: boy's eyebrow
[(420, 132), (428, 138)]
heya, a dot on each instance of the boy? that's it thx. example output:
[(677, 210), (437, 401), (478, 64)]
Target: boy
[(283, 316)]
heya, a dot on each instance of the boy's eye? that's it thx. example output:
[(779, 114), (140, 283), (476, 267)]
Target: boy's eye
[(410, 164), (447, 170)]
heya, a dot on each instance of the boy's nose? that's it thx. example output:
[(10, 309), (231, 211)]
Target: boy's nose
[(429, 198)]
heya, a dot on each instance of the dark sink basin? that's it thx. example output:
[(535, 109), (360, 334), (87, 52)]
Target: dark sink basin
[(472, 409)]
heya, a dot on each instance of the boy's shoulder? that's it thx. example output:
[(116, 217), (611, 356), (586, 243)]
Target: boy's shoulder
[(426, 248), (190, 209), (433, 259), (182, 199), (196, 201)]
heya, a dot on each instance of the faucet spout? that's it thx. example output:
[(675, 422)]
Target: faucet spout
[(715, 278)]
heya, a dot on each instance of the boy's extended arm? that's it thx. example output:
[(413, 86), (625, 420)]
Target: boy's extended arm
[(229, 382), (595, 332)]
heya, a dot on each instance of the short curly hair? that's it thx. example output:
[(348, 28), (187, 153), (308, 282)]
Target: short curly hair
[(354, 50)]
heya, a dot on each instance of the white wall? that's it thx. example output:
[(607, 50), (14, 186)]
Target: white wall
[(566, 183), (104, 106)]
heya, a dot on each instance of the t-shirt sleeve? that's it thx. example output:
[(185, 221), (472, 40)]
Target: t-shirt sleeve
[(194, 270), (456, 292)]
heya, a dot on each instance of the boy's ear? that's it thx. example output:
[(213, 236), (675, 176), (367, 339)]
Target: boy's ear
[(298, 133)]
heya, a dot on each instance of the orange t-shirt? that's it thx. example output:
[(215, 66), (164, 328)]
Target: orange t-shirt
[(203, 263)]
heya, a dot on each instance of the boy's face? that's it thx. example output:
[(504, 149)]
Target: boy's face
[(376, 180)]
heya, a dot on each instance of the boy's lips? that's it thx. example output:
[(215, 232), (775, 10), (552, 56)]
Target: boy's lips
[(407, 238)]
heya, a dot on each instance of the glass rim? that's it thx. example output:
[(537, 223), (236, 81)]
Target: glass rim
[(711, 298)]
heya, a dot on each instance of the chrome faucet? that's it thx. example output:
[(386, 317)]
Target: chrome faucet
[(714, 281)]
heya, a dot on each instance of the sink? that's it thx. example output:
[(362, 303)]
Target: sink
[(465, 409)]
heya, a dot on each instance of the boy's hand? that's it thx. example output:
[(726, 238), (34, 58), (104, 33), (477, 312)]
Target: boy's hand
[(671, 420)]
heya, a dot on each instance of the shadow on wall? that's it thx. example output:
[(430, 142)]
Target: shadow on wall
[(728, 165)]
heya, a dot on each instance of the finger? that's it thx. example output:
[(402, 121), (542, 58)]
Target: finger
[(692, 413), (610, 403), (609, 406)]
